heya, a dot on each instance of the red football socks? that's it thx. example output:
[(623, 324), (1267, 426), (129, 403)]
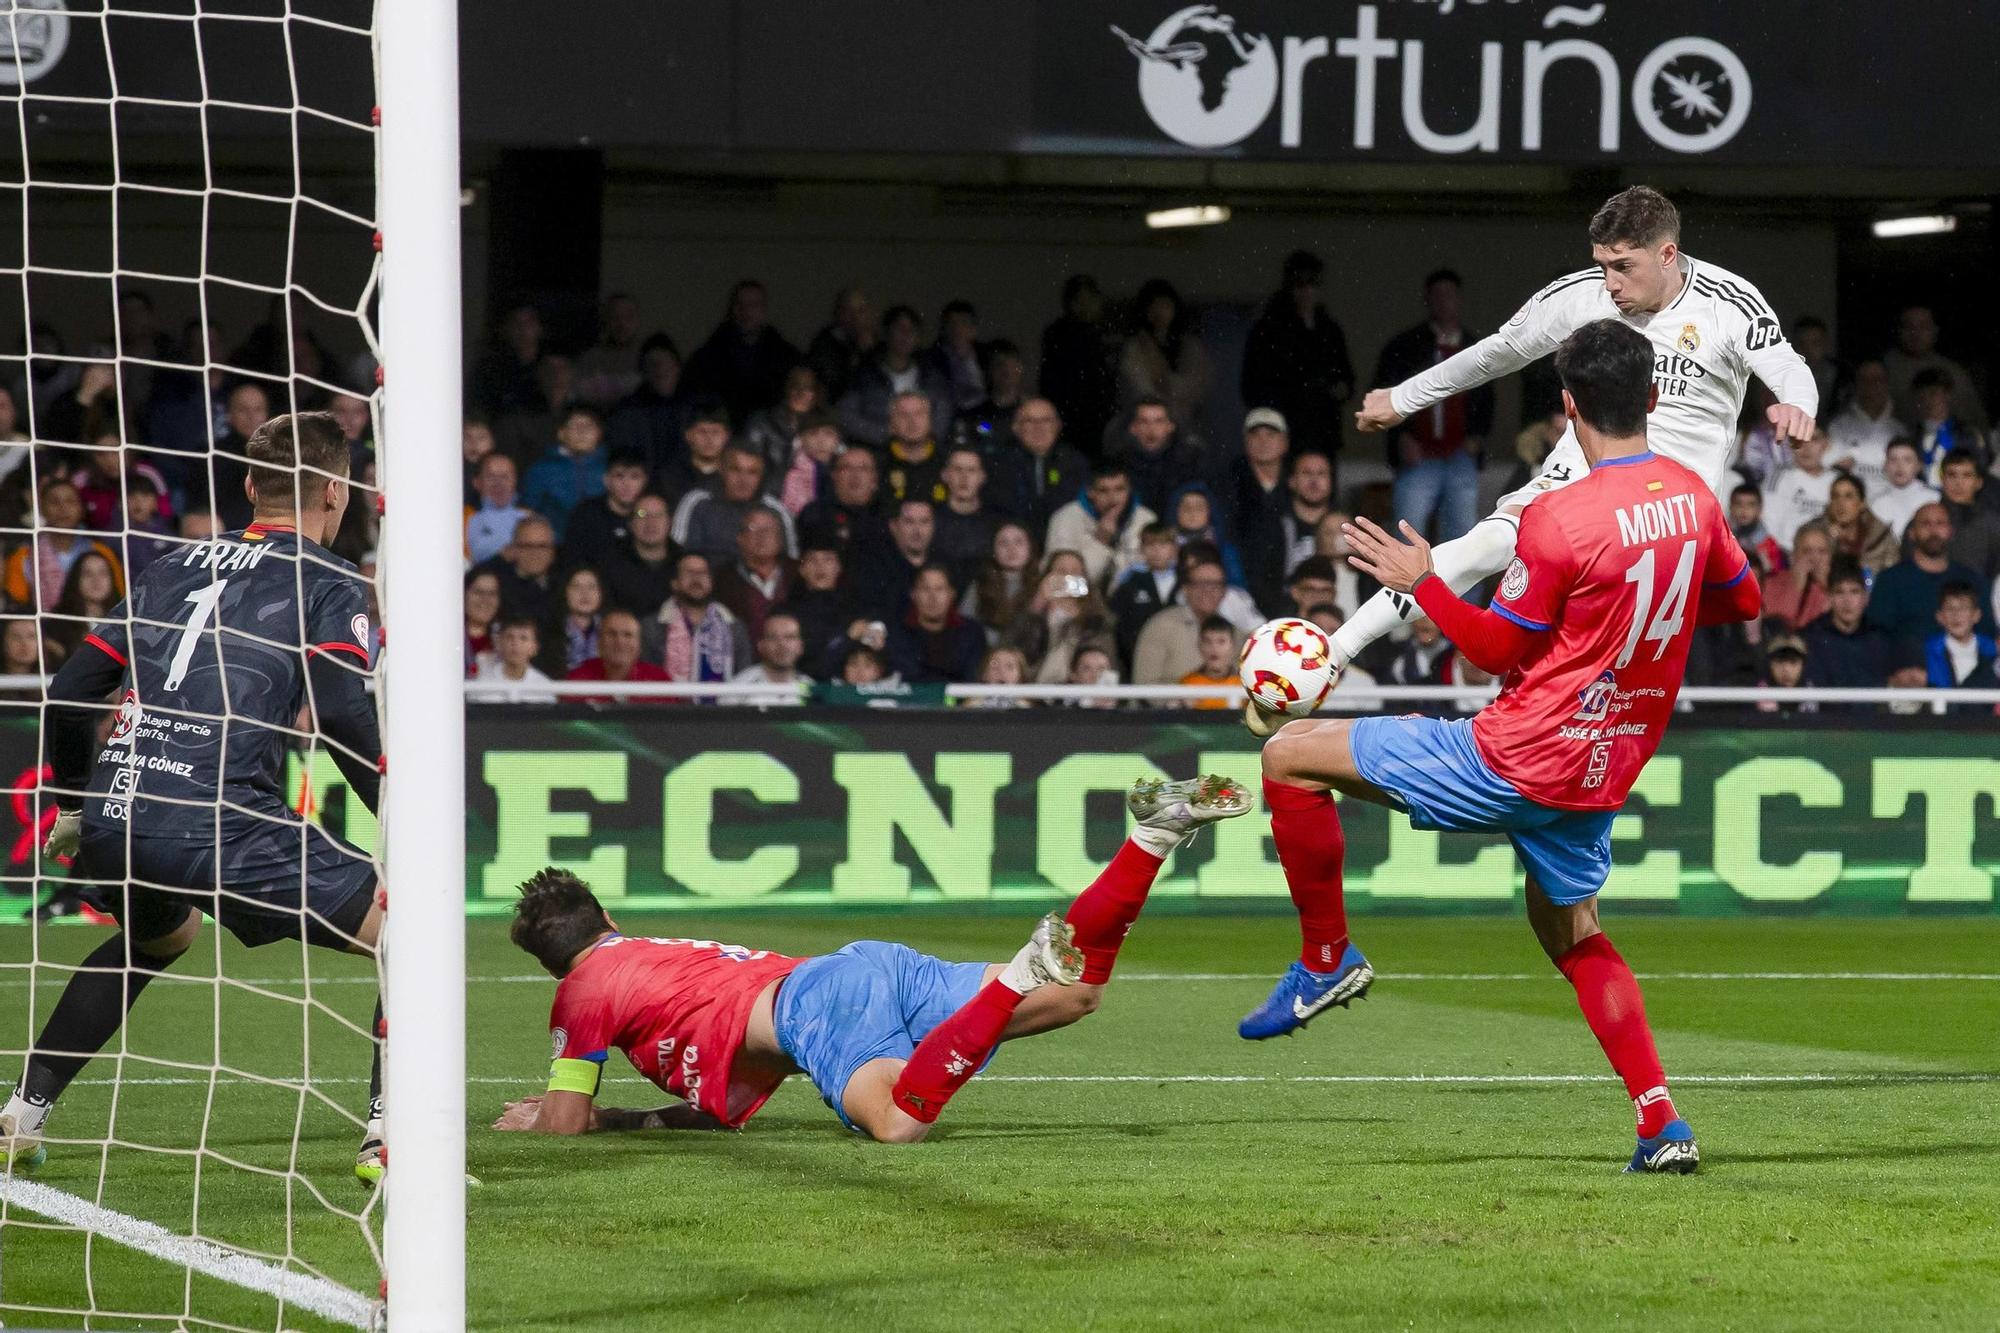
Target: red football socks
[(1104, 912), (1311, 847), (947, 1059), (1609, 996)]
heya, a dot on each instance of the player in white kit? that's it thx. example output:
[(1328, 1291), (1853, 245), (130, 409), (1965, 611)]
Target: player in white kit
[(1710, 331)]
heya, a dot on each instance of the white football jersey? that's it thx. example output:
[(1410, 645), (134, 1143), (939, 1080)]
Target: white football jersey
[(1706, 344)]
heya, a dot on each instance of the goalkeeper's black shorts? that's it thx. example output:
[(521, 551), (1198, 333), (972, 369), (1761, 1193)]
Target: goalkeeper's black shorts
[(276, 882)]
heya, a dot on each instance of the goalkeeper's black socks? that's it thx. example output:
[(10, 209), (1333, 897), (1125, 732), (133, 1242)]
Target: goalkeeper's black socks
[(380, 1033), (92, 1009)]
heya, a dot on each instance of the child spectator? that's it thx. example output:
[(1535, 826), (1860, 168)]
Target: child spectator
[(1958, 655), (512, 661), (1746, 520), (1218, 648)]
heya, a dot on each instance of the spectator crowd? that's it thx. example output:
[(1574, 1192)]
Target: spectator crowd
[(901, 500)]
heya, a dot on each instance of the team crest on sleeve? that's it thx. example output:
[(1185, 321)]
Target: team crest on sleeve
[(558, 1039), (1515, 582), (360, 625), (1690, 339)]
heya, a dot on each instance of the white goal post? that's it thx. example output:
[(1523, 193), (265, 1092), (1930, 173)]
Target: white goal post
[(424, 732)]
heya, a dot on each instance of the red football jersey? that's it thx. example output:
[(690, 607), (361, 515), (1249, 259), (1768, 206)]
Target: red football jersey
[(677, 1008), (1613, 565)]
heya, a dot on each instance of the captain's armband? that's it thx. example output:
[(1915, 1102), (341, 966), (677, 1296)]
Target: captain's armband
[(575, 1076)]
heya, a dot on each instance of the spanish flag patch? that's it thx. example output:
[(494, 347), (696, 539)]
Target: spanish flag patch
[(1656, 485)]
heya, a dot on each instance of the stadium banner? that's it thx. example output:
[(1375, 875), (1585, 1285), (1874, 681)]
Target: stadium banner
[(707, 808)]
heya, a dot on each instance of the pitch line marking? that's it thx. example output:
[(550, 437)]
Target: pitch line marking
[(328, 1300)]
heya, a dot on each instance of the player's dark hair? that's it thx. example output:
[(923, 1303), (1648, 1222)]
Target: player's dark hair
[(1640, 215), (1958, 588), (557, 918), (285, 446), (1608, 369)]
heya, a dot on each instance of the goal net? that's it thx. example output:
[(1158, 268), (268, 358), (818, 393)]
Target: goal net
[(193, 243)]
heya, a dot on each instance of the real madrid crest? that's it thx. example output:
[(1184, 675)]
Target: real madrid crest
[(1690, 339)]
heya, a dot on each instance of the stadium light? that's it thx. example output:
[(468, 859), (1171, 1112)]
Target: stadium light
[(1929, 224), (1194, 215)]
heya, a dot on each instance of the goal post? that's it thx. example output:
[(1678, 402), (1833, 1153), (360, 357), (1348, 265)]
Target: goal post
[(422, 676)]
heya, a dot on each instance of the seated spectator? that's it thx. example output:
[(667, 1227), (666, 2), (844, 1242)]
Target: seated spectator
[(1005, 584), (608, 369), (1975, 528), (1937, 425), (1860, 435), (804, 478), (618, 657), (933, 643), (1001, 666), (1904, 601), (1350, 586), (1311, 584), (1746, 520), (1784, 669), (512, 662), (1309, 498), (572, 470), (988, 424), (21, 650), (526, 570), (1090, 665), (759, 578), (779, 648), (652, 420), (603, 523), (637, 575), (1257, 498), (957, 357), (697, 464), (491, 525), (146, 528), (882, 575), (964, 523), (1155, 456), (745, 359), (708, 521), (482, 610), (849, 517), (912, 463), (105, 479), (1066, 613), (692, 635), (1037, 472), (475, 444), (1916, 352), (773, 431), (1169, 647), (1958, 654), (1102, 525), (1353, 677), (1797, 493), (1195, 518), (89, 592), (892, 369), (1842, 649), (1218, 647), (1856, 533), (1164, 359), (1795, 596), (862, 665), (823, 607), (1903, 492), (837, 351), (1237, 607), (1421, 660), (571, 639), (1145, 587)]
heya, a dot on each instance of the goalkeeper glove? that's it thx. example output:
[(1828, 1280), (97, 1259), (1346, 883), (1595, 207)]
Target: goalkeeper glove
[(65, 835)]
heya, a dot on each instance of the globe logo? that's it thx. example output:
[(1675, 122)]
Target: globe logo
[(1204, 83)]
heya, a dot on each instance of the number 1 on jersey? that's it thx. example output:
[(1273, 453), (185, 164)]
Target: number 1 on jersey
[(1667, 621), (204, 600)]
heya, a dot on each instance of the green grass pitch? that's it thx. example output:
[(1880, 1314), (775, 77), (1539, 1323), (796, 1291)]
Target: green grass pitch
[(1398, 1166)]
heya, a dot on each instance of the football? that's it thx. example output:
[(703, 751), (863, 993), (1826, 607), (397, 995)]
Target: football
[(1287, 666)]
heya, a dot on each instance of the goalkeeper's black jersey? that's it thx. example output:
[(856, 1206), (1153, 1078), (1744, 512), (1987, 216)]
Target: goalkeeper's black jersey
[(215, 641)]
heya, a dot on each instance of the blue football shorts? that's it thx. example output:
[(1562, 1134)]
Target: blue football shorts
[(868, 1001), (1434, 772)]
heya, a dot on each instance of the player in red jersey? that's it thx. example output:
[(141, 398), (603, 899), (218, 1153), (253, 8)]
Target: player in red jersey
[(886, 1034), (1591, 630)]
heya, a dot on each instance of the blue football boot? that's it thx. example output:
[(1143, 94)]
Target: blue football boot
[(1672, 1149), (1301, 994)]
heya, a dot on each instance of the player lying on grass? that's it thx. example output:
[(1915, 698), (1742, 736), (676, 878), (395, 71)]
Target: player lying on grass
[(181, 812), (1591, 629), (886, 1034), (1710, 330)]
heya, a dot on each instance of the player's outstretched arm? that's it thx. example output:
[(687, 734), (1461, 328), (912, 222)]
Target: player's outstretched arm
[(1482, 363), (1727, 603), (576, 1113)]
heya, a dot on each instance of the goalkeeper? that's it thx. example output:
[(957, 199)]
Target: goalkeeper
[(180, 811)]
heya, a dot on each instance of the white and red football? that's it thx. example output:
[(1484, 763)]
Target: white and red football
[(1287, 666)]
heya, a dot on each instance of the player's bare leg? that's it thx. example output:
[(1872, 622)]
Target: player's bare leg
[(1609, 996), (92, 1009), (1304, 762), (1462, 563)]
